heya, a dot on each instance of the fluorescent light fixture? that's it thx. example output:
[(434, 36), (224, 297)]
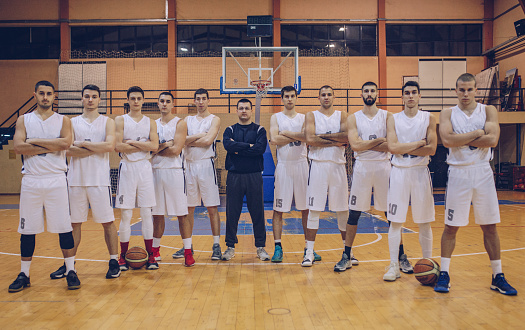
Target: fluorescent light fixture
[(184, 49), (341, 29)]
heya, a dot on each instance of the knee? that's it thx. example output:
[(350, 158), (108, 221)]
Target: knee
[(489, 230), (450, 231), (27, 245), (353, 217), (342, 216), (66, 240), (313, 219)]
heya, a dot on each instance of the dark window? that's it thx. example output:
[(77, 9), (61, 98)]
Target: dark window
[(147, 39), (434, 39), (29, 43), (331, 39)]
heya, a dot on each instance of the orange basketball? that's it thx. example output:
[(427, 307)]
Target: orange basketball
[(426, 271), (136, 257)]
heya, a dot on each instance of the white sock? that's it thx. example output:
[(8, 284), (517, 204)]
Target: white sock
[(344, 243), (187, 243), (277, 241), (124, 229), (425, 239), (216, 239), (445, 264), (394, 239), (113, 256), (24, 268), (156, 242), (496, 266), (70, 264), (310, 246), (147, 222)]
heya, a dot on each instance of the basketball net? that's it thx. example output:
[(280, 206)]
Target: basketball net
[(261, 89)]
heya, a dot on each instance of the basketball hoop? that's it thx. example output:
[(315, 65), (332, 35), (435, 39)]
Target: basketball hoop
[(261, 87)]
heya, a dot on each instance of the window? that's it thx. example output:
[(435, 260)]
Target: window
[(331, 40), (29, 43), (148, 39), (208, 40), (434, 39)]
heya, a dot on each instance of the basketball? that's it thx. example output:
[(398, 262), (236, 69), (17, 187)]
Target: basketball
[(136, 257), (426, 271)]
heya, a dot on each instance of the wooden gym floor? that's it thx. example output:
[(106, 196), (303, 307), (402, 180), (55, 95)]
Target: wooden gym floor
[(246, 293)]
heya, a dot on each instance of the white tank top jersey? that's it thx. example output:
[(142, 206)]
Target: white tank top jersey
[(166, 133), (461, 123), (196, 126), (93, 170), (410, 130), (293, 151), (371, 129), (44, 164), (138, 132), (327, 125)]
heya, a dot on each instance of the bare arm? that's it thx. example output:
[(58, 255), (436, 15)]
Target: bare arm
[(101, 147), (492, 130), (276, 138), (451, 139), (20, 144), (120, 145), (429, 149), (208, 138), (342, 135), (356, 142), (61, 143), (311, 138), (178, 140), (152, 144), (394, 146)]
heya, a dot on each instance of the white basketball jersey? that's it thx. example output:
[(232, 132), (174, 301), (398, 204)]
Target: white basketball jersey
[(196, 126), (138, 132), (371, 129), (93, 170), (410, 130), (293, 151), (327, 125), (44, 164), (461, 123), (167, 133)]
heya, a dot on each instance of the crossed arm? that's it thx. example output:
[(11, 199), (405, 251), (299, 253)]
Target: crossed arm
[(174, 147), (424, 147), (87, 148), (130, 146), (284, 137), (358, 144), (30, 147), (325, 140), (206, 138)]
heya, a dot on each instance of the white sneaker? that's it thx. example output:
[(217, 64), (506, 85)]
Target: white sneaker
[(353, 259), (228, 254), (262, 254), (308, 260), (392, 272)]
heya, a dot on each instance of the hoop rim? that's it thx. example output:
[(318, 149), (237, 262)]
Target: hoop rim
[(261, 84)]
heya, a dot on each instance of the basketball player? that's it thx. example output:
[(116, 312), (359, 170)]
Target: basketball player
[(136, 138), (42, 138), (367, 137), (470, 130), (88, 175), (326, 134), (201, 177), (411, 137), (168, 172), (291, 173), (245, 143)]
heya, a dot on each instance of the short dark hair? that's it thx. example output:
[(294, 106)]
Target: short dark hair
[(91, 87), (288, 89), (135, 89), (325, 86), (371, 83), (411, 83), (44, 83), (244, 101), (466, 77), (201, 91), (166, 93)]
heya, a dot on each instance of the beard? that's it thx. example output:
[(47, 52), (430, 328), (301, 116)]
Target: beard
[(369, 101)]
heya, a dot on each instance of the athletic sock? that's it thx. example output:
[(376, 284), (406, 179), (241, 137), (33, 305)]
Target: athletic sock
[(156, 242), (187, 243), (124, 248), (445, 264), (24, 267), (496, 266), (216, 239), (149, 245), (113, 256), (425, 239), (70, 264), (278, 242), (310, 246), (348, 251), (394, 238), (401, 251)]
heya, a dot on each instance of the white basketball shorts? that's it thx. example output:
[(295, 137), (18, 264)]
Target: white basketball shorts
[(327, 179), (170, 192), (135, 185), (367, 175), (201, 182), (291, 180), (98, 198)]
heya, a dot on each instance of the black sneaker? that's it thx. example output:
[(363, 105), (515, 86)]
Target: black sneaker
[(114, 269), (20, 283), (59, 273), (73, 282)]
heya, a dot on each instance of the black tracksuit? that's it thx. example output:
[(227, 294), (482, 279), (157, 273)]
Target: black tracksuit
[(245, 165)]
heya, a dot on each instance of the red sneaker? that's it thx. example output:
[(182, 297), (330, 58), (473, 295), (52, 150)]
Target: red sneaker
[(188, 258), (156, 253), (123, 265)]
